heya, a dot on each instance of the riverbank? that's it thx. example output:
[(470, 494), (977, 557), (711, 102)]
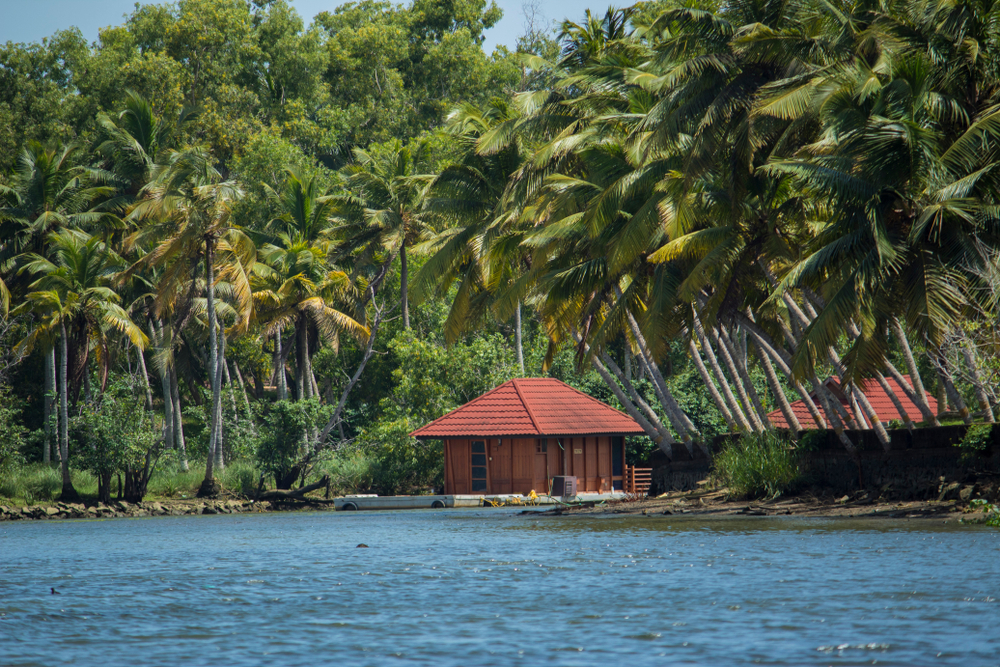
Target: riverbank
[(118, 509), (706, 503), (953, 503)]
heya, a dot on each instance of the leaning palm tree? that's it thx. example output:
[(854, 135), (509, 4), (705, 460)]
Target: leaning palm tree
[(469, 196), (73, 297), (188, 207)]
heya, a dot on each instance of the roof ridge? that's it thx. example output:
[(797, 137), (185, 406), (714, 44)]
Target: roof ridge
[(527, 408)]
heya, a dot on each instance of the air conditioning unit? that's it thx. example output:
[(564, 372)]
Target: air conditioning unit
[(564, 485)]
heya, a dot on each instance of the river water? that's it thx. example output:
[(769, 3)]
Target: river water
[(492, 587)]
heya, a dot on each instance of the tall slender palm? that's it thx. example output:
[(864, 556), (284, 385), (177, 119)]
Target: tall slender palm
[(73, 296), (188, 206), (387, 215)]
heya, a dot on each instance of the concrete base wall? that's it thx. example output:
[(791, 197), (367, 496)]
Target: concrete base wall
[(911, 469)]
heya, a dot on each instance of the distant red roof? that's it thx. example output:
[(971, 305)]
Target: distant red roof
[(881, 404), (531, 406)]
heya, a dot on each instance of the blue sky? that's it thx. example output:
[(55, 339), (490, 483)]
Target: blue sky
[(31, 20)]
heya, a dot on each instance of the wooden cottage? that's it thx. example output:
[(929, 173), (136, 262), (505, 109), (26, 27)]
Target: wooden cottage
[(517, 437)]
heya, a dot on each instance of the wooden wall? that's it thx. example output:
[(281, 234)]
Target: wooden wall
[(520, 465)]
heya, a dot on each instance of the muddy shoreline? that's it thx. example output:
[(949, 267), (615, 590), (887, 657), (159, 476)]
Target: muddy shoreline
[(715, 503)]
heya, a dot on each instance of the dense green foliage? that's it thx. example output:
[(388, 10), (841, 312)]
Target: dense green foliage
[(230, 236)]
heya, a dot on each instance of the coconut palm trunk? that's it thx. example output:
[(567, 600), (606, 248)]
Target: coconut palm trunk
[(51, 414), (661, 437), (739, 354), (727, 357), (68, 494), (175, 394), (713, 363), (220, 463), (911, 368), (713, 391), (969, 355), (900, 408), (517, 338), (209, 487), (945, 373), (779, 393), (279, 369), (404, 278)]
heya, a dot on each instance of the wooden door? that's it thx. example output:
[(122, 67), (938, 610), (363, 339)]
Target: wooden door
[(604, 463), (458, 464), (523, 466), (478, 467), (542, 475), (500, 466)]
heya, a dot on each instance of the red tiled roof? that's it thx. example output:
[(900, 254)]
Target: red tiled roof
[(531, 406), (881, 404)]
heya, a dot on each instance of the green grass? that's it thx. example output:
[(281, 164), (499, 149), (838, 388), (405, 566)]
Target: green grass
[(759, 466), (39, 484)]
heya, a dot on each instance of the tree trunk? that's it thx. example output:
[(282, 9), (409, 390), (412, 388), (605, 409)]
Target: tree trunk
[(779, 393), (209, 487), (713, 391), (279, 368), (175, 394), (680, 421), (900, 409), (944, 370), (911, 394), (243, 389), (650, 415), (981, 396), (713, 363), (220, 463), (302, 354), (784, 360), (369, 348), (831, 408), (740, 380), (517, 338), (404, 286), (51, 418), (911, 367), (69, 494), (145, 380), (661, 436)]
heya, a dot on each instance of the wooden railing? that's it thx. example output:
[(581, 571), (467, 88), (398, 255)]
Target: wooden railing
[(637, 480)]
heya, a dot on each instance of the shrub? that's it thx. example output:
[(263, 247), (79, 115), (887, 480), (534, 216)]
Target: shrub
[(976, 439), (282, 446), (758, 466)]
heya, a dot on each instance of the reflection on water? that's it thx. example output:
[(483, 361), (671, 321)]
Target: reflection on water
[(495, 588)]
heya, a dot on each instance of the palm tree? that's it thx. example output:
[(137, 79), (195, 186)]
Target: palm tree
[(74, 299), (293, 284), (188, 207), (470, 197), (387, 214)]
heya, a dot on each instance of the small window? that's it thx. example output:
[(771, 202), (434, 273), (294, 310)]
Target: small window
[(541, 445)]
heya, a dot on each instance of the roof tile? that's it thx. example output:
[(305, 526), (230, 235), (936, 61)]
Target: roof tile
[(531, 406), (881, 403)]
